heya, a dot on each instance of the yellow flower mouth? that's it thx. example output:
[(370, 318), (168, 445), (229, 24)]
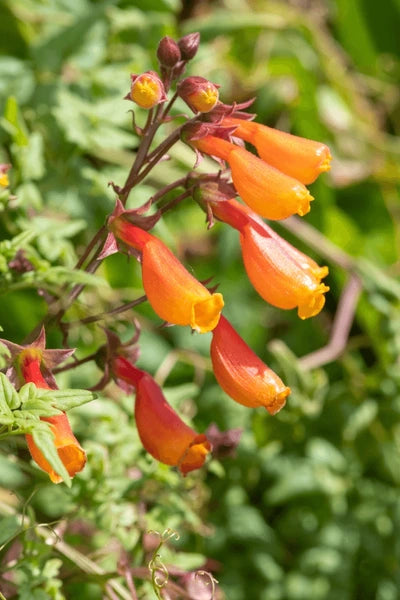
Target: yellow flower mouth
[(4, 181), (146, 92), (206, 313), (204, 100), (304, 203), (325, 165), (313, 303)]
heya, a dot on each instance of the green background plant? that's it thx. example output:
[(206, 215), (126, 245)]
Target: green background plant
[(309, 506)]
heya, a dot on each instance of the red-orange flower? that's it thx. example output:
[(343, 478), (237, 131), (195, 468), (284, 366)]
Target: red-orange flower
[(298, 157), (174, 294), (70, 452), (281, 274), (269, 192), (242, 374), (162, 432)]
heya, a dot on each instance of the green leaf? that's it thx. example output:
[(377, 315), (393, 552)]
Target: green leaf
[(44, 440), (14, 123), (9, 527), (9, 398), (28, 392), (66, 399), (40, 408)]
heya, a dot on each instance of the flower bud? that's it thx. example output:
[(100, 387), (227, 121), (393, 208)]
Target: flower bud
[(162, 432), (168, 52), (147, 90), (189, 45), (199, 94), (4, 181)]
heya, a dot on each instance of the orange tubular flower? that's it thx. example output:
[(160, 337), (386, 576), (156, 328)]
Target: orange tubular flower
[(173, 293), (298, 157), (163, 434), (70, 452), (241, 374), (281, 274), (269, 192)]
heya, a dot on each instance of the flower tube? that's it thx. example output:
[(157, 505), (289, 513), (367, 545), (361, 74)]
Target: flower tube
[(174, 294), (162, 432), (269, 192), (242, 374), (70, 452), (296, 156), (281, 274)]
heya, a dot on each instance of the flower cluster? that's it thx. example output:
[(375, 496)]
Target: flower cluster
[(271, 184)]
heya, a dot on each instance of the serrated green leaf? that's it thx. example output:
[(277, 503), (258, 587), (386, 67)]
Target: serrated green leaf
[(44, 440), (28, 392), (40, 408), (66, 399), (8, 395)]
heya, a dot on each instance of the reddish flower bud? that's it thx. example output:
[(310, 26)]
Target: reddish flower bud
[(242, 374), (199, 94), (70, 452), (162, 432), (174, 294), (168, 52), (281, 274), (188, 45), (4, 181), (147, 90), (266, 190), (298, 157)]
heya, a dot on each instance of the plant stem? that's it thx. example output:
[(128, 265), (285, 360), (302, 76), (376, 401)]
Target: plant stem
[(114, 311)]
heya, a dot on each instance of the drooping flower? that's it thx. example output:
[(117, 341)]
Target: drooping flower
[(199, 94), (281, 274), (172, 291), (68, 448), (269, 192), (162, 432), (299, 157), (242, 374), (147, 90)]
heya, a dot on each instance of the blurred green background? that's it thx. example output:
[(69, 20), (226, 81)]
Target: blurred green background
[(309, 508)]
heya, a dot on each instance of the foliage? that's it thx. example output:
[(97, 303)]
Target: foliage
[(308, 508)]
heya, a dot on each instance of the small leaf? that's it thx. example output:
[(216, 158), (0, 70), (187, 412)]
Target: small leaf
[(28, 392), (66, 399), (40, 408), (44, 440), (8, 394)]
